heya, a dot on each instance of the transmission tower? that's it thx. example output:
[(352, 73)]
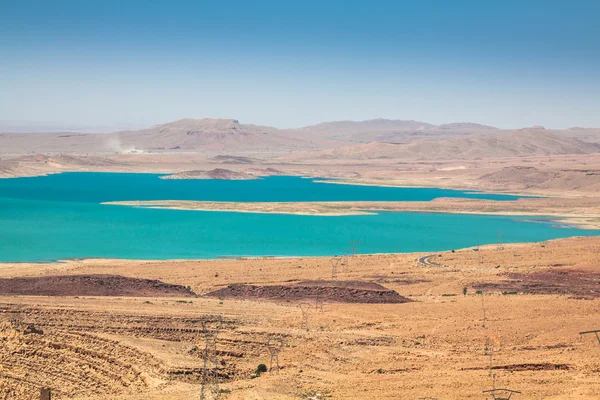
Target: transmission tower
[(16, 319), (500, 247), (274, 345), (344, 263), (306, 309), (488, 351), (335, 261), (483, 309), (596, 332), (210, 369), (496, 393), (319, 304), (354, 244)]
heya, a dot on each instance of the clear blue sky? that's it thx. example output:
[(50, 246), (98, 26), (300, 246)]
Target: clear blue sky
[(292, 63)]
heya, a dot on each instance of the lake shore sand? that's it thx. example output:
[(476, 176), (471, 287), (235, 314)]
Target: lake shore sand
[(581, 212)]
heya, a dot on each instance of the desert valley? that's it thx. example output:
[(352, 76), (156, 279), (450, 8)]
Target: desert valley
[(299, 200), (447, 323)]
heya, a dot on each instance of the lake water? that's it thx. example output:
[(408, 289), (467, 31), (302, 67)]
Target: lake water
[(60, 216)]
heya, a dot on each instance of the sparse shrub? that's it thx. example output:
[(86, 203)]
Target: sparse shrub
[(464, 291), (262, 368), (448, 294), (224, 390), (479, 292)]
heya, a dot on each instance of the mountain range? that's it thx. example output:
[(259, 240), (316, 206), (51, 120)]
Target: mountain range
[(378, 138), (511, 144)]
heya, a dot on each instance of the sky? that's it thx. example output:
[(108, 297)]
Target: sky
[(288, 64)]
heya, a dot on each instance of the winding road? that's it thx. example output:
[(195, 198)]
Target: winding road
[(425, 260)]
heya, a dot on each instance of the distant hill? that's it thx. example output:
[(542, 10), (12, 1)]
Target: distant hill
[(230, 137), (217, 173), (208, 134), (582, 180), (360, 131), (409, 131), (57, 142), (586, 134), (390, 131), (464, 128), (41, 164), (530, 142)]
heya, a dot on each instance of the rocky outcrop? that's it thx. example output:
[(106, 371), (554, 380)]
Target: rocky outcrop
[(91, 285), (341, 292), (217, 173)]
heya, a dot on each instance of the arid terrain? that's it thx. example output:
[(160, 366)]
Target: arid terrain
[(299, 200), (525, 304), (403, 153), (389, 326)]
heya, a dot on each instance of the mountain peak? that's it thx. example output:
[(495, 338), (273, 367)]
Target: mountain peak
[(465, 125), (203, 123), (534, 128)]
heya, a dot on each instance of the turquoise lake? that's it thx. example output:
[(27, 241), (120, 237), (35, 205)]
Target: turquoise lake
[(60, 216)]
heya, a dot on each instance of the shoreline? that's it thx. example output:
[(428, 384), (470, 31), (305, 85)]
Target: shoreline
[(575, 218), (317, 178), (74, 261), (345, 181), (193, 205)]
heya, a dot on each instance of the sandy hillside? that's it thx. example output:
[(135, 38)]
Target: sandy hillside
[(530, 177), (518, 144)]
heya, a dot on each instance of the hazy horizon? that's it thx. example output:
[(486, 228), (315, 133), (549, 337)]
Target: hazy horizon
[(506, 64), (57, 126)]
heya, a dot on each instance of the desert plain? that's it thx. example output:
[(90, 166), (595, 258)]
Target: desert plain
[(524, 307)]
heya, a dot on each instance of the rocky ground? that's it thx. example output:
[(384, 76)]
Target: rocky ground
[(317, 291), (90, 285), (524, 307)]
